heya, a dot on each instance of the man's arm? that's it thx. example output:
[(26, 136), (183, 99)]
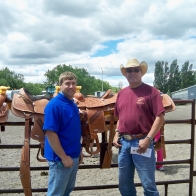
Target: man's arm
[(158, 123), (56, 146), (116, 137)]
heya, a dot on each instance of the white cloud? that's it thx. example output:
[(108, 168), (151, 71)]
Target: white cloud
[(37, 36)]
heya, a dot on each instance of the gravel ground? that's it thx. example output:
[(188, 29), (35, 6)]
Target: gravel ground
[(90, 177)]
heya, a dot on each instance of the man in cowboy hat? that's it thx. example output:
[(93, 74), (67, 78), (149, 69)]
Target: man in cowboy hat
[(141, 115)]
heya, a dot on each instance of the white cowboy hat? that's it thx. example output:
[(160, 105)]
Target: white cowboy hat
[(134, 63)]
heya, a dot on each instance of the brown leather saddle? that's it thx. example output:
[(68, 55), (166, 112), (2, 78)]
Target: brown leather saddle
[(30, 107), (95, 113), (168, 103), (23, 104)]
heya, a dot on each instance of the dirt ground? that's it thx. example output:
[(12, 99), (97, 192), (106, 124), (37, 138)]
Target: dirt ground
[(94, 177)]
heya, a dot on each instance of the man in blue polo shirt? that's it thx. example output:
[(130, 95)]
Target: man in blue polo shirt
[(62, 137)]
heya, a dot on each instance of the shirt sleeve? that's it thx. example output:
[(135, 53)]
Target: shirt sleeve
[(157, 105), (51, 118)]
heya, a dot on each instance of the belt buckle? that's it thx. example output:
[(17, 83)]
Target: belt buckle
[(128, 137)]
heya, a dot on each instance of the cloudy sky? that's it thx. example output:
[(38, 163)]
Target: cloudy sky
[(98, 35)]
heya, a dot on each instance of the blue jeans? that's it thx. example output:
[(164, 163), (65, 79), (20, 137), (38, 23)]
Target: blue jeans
[(61, 180), (145, 167)]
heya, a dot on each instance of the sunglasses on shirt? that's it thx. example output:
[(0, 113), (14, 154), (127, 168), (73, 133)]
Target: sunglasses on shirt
[(136, 70)]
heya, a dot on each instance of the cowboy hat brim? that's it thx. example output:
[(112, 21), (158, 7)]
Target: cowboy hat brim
[(143, 66)]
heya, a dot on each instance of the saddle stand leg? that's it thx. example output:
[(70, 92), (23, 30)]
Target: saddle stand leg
[(25, 159), (108, 154), (163, 142)]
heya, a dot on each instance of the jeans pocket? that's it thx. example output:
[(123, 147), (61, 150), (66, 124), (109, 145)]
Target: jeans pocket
[(55, 165)]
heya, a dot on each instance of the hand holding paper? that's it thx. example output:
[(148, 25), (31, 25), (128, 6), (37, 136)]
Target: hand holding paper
[(146, 154)]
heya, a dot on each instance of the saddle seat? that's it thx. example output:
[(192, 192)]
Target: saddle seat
[(95, 102), (24, 102)]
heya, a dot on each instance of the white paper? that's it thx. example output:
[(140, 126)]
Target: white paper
[(146, 154)]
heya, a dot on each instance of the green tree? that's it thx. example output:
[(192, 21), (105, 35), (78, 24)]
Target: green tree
[(165, 77), (35, 88), (11, 79), (170, 79), (161, 75), (174, 77), (158, 75), (89, 83), (187, 75)]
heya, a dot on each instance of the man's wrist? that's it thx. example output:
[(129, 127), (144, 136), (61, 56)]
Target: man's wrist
[(117, 130), (149, 138)]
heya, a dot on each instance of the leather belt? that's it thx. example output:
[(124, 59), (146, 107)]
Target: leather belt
[(132, 137)]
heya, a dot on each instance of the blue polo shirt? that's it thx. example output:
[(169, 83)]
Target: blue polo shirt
[(61, 115)]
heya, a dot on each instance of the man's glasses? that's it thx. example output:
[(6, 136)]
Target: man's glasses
[(136, 70)]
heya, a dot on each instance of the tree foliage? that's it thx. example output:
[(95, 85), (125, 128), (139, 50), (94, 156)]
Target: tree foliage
[(158, 75), (35, 88), (89, 83), (174, 77), (161, 76), (169, 79), (187, 75), (11, 79)]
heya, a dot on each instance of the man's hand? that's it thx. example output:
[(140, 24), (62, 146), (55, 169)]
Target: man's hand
[(67, 161), (143, 145), (115, 141)]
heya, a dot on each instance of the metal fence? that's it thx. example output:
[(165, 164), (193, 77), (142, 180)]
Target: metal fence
[(104, 144)]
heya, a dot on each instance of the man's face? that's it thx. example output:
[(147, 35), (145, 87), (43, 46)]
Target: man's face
[(68, 88), (134, 75)]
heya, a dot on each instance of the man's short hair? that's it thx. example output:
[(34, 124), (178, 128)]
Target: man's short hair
[(66, 76)]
